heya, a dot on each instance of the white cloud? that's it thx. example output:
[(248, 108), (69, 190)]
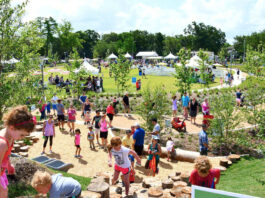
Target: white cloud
[(234, 17)]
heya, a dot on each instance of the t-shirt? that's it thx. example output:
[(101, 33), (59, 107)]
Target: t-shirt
[(90, 135), (194, 106), (110, 110), (169, 145), (60, 108), (83, 98), (64, 187), (203, 138), (156, 128), (126, 100), (185, 101), (127, 142), (96, 119), (54, 99), (139, 136), (71, 114), (238, 95), (77, 139), (121, 157), (207, 181)]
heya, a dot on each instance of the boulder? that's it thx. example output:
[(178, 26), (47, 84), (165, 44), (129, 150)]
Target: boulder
[(100, 187), (180, 184), (89, 194), (155, 192), (176, 191), (167, 183)]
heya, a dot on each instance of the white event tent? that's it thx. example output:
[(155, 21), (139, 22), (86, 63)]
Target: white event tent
[(127, 55), (112, 56), (88, 68), (194, 62), (171, 56), (147, 54)]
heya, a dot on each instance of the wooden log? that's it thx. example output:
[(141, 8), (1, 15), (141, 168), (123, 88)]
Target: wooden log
[(155, 192), (221, 168), (233, 158), (24, 148), (35, 139), (23, 154), (176, 191), (99, 187), (180, 184), (88, 194), (167, 184), (224, 162), (17, 148), (186, 190)]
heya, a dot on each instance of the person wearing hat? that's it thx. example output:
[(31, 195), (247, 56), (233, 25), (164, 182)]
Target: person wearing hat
[(203, 140), (138, 139), (156, 129)]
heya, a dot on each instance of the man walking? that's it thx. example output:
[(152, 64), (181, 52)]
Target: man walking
[(60, 114), (126, 103), (138, 139)]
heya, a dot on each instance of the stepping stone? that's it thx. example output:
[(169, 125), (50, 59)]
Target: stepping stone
[(38, 128), (16, 147), (155, 192), (35, 139), (221, 168), (88, 194), (24, 148), (21, 143), (180, 184), (233, 158), (186, 190), (183, 195), (100, 187), (23, 154), (115, 195), (168, 183), (176, 191), (224, 162), (151, 182), (28, 137), (185, 177), (175, 178)]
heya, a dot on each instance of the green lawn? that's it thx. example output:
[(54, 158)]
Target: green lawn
[(245, 177), (110, 87)]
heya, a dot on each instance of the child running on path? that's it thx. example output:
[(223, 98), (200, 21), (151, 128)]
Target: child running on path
[(91, 137), (122, 162), (19, 123), (77, 143)]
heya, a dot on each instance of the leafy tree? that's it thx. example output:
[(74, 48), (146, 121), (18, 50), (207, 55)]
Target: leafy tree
[(171, 44), (183, 73), (120, 72), (90, 38), (204, 73), (254, 60), (100, 49), (154, 105), (205, 37)]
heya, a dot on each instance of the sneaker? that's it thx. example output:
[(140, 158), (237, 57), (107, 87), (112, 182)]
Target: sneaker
[(76, 155), (80, 156), (42, 153), (50, 151)]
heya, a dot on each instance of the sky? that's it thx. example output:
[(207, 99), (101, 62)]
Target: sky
[(170, 17)]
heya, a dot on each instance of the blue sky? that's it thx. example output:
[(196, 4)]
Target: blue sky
[(234, 17)]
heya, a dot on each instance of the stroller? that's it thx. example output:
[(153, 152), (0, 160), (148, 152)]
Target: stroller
[(206, 119), (178, 124)]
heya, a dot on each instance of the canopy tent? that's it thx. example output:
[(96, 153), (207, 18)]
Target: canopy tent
[(147, 54), (127, 55), (171, 56), (112, 56), (155, 57), (195, 62), (88, 68)]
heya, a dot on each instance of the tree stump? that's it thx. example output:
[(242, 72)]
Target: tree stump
[(186, 190), (178, 173), (180, 184), (175, 178), (88, 194), (221, 168), (233, 158), (28, 137), (229, 163), (115, 195), (155, 192), (224, 162), (23, 154), (99, 187), (24, 148), (183, 195), (185, 177), (21, 143), (17, 148), (151, 182), (35, 139), (38, 128), (105, 176), (176, 191), (167, 184)]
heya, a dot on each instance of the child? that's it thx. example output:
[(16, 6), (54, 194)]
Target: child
[(203, 175), (170, 147), (87, 117), (56, 185), (122, 162), (19, 123), (221, 81), (96, 119), (77, 143), (90, 137), (48, 108)]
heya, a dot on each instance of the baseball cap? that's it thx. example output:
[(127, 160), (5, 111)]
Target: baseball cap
[(136, 124)]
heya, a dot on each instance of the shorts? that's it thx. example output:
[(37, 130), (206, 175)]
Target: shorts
[(77, 146), (71, 120), (54, 106), (126, 106), (60, 118), (3, 181), (104, 134), (138, 88), (124, 171), (110, 116), (139, 149), (97, 131), (238, 100)]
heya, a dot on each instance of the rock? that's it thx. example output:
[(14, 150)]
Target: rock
[(24, 148), (180, 184), (185, 177), (100, 187), (233, 158), (23, 154), (176, 191), (151, 182), (89, 194), (186, 190), (168, 183), (221, 168), (155, 192)]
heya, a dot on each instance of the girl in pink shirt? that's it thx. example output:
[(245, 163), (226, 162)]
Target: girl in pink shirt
[(205, 107), (71, 118), (103, 123), (77, 143)]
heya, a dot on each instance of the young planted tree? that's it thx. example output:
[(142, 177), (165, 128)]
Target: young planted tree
[(204, 73), (254, 60), (154, 105), (183, 73), (120, 72)]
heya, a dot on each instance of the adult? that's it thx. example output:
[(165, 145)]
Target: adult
[(238, 97), (87, 106), (101, 83), (194, 109), (96, 119), (138, 139), (238, 73), (82, 100), (71, 118), (126, 103), (110, 112), (174, 106), (156, 129), (54, 103), (204, 175), (144, 76), (205, 107), (98, 84), (103, 124), (60, 114), (203, 140), (185, 103), (48, 131), (137, 85)]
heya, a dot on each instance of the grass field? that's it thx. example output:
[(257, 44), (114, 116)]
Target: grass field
[(245, 177), (169, 82)]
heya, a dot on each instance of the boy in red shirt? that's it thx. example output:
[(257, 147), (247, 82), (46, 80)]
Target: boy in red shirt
[(204, 175)]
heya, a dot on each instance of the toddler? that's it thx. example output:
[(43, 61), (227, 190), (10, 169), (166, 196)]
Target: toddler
[(77, 143), (90, 137), (87, 117), (170, 147)]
